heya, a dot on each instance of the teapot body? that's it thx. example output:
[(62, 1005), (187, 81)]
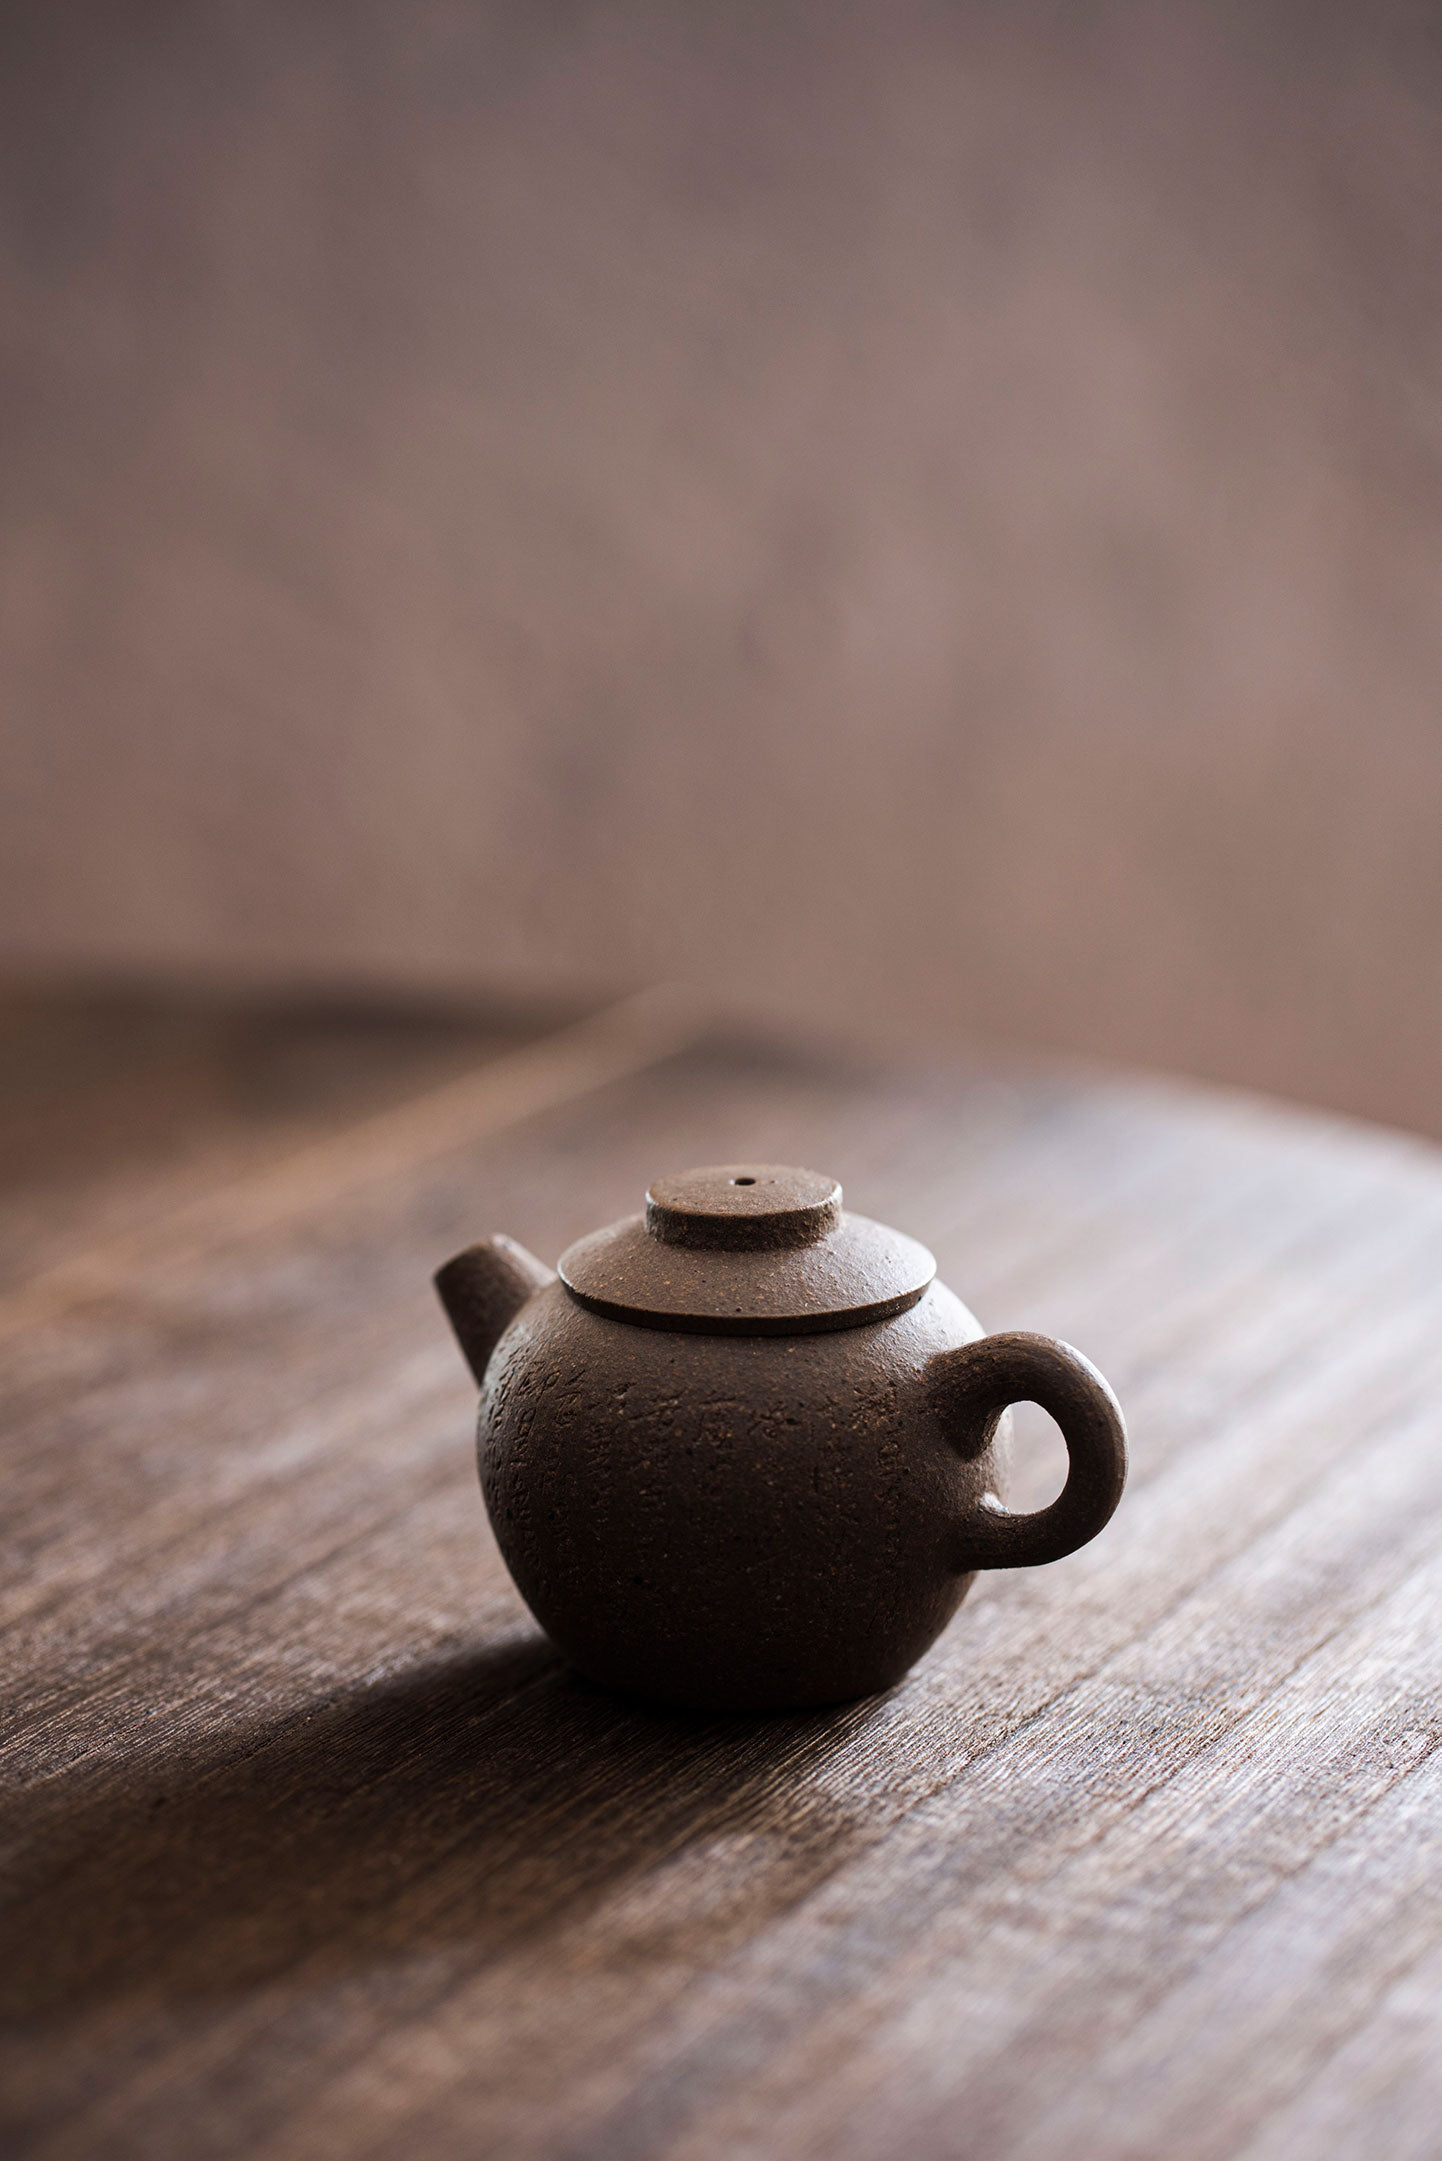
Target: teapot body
[(737, 1521)]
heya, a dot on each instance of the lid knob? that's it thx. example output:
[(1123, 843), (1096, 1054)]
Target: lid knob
[(746, 1206)]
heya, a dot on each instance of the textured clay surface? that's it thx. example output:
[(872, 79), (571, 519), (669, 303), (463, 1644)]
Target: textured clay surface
[(732, 1521)]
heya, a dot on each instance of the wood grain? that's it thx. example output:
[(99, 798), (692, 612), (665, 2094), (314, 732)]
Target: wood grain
[(313, 1848)]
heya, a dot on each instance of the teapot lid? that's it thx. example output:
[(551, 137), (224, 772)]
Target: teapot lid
[(747, 1249)]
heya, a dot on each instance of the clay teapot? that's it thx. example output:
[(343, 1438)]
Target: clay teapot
[(746, 1452)]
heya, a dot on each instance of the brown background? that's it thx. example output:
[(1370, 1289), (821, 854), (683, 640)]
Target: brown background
[(922, 519)]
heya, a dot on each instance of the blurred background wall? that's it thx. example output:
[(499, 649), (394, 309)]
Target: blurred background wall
[(923, 519)]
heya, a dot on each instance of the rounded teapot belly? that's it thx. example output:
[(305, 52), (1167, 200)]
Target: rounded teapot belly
[(736, 1521)]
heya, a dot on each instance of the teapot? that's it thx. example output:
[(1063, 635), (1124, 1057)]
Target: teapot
[(745, 1452)]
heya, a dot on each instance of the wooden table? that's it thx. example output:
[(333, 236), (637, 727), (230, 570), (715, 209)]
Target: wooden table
[(313, 1848)]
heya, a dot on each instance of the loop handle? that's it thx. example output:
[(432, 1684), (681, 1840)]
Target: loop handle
[(977, 1383)]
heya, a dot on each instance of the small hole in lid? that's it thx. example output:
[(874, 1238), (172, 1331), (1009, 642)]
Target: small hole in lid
[(743, 1181)]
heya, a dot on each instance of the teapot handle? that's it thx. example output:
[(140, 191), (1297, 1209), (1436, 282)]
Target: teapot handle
[(976, 1383)]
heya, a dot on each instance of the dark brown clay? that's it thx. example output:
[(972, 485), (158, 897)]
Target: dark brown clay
[(745, 1452)]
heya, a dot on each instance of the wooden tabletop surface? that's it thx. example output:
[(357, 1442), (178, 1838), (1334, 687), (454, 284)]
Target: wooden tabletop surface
[(313, 1848)]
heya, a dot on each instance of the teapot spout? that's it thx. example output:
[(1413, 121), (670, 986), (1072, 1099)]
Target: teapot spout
[(483, 1289)]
